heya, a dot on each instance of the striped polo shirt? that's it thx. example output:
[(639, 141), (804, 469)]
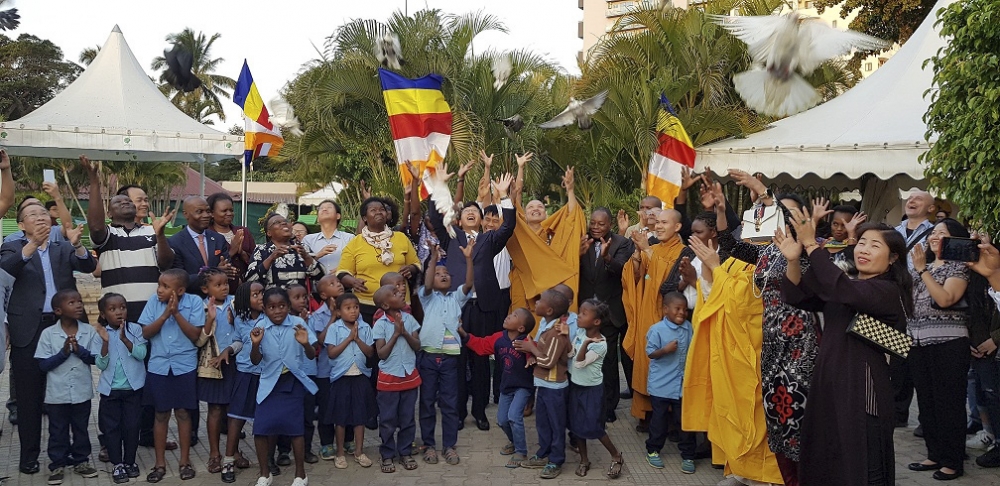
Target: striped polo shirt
[(127, 260)]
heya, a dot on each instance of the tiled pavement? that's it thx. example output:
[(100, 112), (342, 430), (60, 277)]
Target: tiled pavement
[(481, 463)]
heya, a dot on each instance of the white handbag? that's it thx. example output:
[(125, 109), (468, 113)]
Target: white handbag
[(761, 222)]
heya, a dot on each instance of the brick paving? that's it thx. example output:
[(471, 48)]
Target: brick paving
[(481, 463)]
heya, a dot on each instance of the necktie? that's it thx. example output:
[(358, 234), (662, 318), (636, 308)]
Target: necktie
[(597, 248), (201, 248)]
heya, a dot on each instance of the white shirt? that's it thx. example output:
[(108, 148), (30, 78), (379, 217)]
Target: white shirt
[(316, 241), (502, 264), (691, 291)]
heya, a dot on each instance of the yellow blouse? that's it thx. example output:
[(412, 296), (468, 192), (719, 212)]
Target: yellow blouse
[(361, 260)]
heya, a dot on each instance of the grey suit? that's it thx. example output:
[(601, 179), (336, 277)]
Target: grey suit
[(25, 322)]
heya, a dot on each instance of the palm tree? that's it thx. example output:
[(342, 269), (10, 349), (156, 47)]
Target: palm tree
[(340, 104), (87, 55), (205, 100)]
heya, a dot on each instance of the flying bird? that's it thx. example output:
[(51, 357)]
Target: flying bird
[(9, 19), (178, 74), (578, 112), (784, 48), (436, 182), (283, 116), (512, 124), (501, 70), (388, 52)]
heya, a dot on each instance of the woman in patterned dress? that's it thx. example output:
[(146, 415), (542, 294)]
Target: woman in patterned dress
[(791, 335), (283, 260)]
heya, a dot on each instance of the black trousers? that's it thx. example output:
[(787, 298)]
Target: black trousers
[(477, 383), (625, 359), (612, 384), (902, 387), (64, 419), (30, 387), (118, 420), (939, 374), (988, 388)]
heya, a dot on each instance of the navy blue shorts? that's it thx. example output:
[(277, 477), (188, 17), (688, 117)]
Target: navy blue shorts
[(171, 392)]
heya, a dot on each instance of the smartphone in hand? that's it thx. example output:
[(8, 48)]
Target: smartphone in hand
[(49, 175), (960, 249)]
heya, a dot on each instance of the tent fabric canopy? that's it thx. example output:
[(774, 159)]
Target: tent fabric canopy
[(329, 192), (113, 111), (875, 128)]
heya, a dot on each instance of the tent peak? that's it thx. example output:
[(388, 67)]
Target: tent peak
[(116, 29)]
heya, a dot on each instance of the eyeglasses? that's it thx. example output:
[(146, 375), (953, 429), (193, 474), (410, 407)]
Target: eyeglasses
[(281, 222)]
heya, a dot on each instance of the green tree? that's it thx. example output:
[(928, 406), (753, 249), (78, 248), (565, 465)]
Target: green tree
[(32, 71), (892, 20), (963, 162), (88, 54), (204, 101)]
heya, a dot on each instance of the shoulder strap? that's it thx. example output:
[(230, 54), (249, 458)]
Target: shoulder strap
[(923, 234)]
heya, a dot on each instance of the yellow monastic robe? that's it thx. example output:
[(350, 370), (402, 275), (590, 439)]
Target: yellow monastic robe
[(547, 258), (643, 308), (722, 384)]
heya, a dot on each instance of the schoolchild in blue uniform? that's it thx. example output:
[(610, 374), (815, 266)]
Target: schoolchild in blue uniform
[(217, 392), (247, 312), (320, 321)]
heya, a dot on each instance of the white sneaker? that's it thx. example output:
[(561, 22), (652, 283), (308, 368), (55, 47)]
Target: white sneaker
[(301, 481), (265, 481), (982, 441)]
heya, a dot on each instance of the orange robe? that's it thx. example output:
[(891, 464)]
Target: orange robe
[(547, 258), (722, 377), (643, 308)]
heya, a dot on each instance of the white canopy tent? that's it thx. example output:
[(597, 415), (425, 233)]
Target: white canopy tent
[(113, 111), (329, 192), (875, 128)]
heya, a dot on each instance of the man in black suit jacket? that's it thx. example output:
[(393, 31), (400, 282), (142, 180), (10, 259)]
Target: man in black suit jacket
[(40, 269), (483, 314), (214, 251), (603, 255)]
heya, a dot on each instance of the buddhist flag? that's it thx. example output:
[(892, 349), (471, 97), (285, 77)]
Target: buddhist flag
[(663, 179), (261, 138), (419, 119)]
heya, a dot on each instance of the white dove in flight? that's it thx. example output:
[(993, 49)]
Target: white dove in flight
[(388, 52), (578, 112), (501, 70), (784, 48), (283, 116)]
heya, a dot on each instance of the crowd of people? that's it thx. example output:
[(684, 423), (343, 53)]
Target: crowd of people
[(736, 333)]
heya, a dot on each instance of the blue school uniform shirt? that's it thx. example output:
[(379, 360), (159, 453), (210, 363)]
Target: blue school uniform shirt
[(442, 311), (352, 353), (128, 371), (243, 328), (590, 374), (283, 354), (225, 332), (402, 360), (571, 317), (170, 350), (67, 378), (317, 322), (311, 366), (666, 373)]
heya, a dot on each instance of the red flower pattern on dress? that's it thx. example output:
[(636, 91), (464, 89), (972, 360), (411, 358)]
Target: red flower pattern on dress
[(792, 325)]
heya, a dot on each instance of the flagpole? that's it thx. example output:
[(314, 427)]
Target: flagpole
[(243, 196)]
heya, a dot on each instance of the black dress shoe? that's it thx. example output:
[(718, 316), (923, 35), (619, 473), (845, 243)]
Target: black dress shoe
[(611, 418), (920, 467), (372, 424), (973, 428), (483, 424), (625, 395), (30, 468), (943, 476), (461, 424)]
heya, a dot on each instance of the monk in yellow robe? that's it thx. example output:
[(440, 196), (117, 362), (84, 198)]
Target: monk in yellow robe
[(722, 377), (545, 250), (642, 277)]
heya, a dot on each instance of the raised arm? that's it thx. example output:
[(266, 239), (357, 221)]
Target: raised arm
[(429, 273), (412, 202), (944, 295), (95, 210), (518, 189), (65, 219), (164, 254), (437, 224), (569, 182), (484, 194)]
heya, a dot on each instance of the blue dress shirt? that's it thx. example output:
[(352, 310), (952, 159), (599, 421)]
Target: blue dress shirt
[(282, 352), (666, 373), (243, 328), (68, 379), (170, 350), (352, 354), (402, 360), (441, 311), (128, 367)]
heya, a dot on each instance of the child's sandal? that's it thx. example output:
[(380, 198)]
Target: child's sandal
[(387, 466), (363, 460), (582, 469), (408, 463), (615, 470), (451, 456), (430, 455), (157, 474)]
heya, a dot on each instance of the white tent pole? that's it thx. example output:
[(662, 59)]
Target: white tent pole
[(243, 196), (202, 177)]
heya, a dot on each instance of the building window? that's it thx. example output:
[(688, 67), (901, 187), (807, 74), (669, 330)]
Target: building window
[(868, 66)]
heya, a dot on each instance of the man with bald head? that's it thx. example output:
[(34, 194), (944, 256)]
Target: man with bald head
[(196, 246), (646, 270)]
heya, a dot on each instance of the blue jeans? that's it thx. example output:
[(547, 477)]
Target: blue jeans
[(550, 422), (438, 389), (510, 416)]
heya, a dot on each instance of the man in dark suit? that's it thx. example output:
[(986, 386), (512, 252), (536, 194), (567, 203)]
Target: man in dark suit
[(483, 314), (197, 247), (603, 255), (40, 268)]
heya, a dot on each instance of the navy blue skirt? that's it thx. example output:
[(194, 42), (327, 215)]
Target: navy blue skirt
[(281, 412), (171, 392), (218, 392), (351, 402), (586, 411), (243, 402)]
